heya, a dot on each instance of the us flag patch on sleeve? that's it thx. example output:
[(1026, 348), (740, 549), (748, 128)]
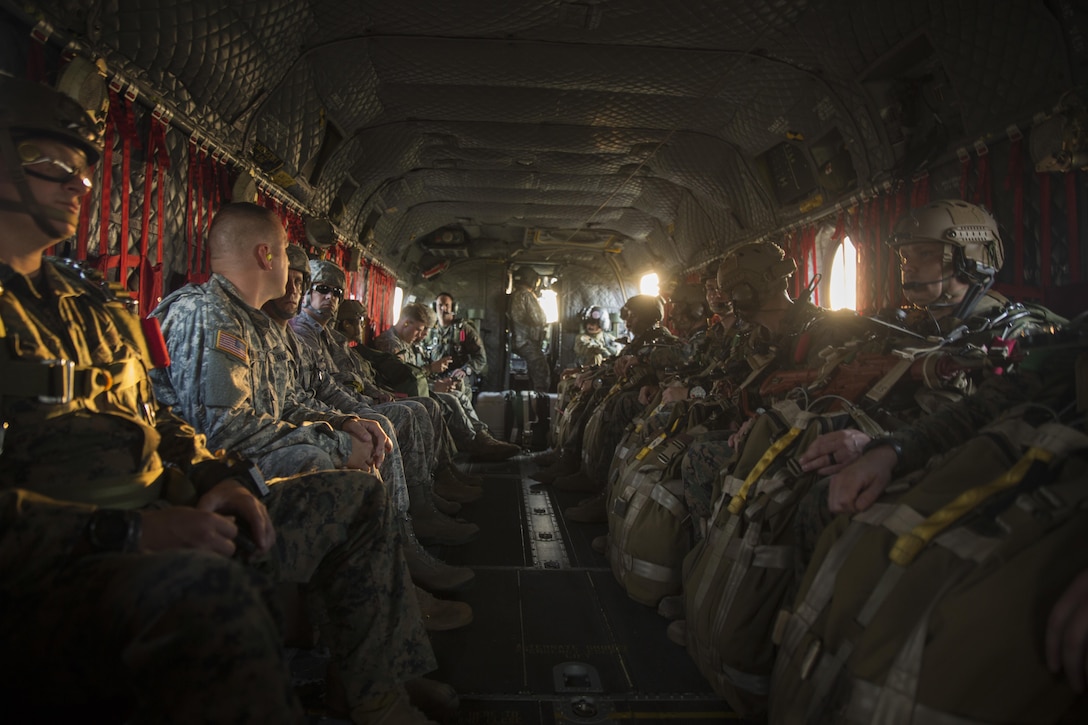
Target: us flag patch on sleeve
[(232, 345)]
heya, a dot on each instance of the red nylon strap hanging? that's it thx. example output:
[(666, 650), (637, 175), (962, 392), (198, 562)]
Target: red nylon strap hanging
[(157, 160), (983, 191), (197, 271), (190, 212), (919, 190), (35, 53), (965, 171), (1072, 234), (1014, 181), (107, 173), (1044, 228), (128, 136)]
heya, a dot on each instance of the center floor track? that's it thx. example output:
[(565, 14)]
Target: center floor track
[(554, 639)]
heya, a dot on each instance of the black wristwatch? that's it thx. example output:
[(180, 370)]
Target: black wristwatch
[(890, 442), (114, 530)]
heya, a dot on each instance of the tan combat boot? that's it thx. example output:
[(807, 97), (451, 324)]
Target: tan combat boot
[(432, 573), (447, 485), (434, 527), (442, 615)]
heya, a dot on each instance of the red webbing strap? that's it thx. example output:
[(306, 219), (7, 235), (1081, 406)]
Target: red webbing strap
[(808, 252), (965, 172), (83, 231), (112, 121), (1072, 234), (1045, 229), (1014, 181), (35, 54), (157, 160), (983, 182), (190, 212), (128, 136), (919, 190)]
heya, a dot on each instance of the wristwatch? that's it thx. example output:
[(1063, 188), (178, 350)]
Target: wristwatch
[(114, 530), (886, 440)]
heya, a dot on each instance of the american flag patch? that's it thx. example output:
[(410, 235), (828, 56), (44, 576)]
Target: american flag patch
[(232, 345)]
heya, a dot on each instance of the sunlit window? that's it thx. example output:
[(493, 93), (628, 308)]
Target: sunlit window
[(398, 302), (549, 302), (648, 285), (844, 277)]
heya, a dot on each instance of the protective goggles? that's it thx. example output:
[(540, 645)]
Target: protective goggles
[(49, 169), (324, 289)]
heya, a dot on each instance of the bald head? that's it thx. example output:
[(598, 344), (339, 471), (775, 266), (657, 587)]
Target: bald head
[(237, 228), (247, 244)]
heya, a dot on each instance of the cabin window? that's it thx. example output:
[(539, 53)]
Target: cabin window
[(398, 302), (844, 277), (549, 302), (648, 285)]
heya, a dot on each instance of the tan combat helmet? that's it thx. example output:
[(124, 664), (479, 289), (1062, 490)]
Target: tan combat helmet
[(752, 273), (972, 244), (962, 227), (351, 309)]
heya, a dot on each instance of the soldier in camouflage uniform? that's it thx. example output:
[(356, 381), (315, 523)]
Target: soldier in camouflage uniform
[(319, 392), (527, 325), (356, 373), (141, 518), (469, 432), (653, 350), (459, 340), (413, 426), (950, 252), (596, 343)]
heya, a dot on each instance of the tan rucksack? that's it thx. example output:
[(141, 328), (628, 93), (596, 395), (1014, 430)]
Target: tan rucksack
[(931, 608), (742, 572), (648, 523)]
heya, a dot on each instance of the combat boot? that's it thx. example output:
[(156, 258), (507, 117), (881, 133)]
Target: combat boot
[(486, 448), (465, 477), (433, 574), (671, 607), (391, 708), (442, 615), (589, 511), (678, 632), (564, 465), (433, 527), (600, 544), (448, 487), (579, 482), (450, 508), (437, 700)]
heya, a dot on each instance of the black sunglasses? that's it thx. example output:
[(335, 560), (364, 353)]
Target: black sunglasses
[(325, 289)]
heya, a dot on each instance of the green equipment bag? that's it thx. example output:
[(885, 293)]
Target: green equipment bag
[(395, 374), (931, 608), (742, 572), (648, 522)]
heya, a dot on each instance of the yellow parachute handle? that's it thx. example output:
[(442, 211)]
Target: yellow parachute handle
[(909, 545), (736, 505)]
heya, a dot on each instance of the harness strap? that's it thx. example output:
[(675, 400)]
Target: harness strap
[(776, 449)]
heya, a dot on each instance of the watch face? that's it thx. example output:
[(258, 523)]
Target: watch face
[(109, 530), (698, 392)]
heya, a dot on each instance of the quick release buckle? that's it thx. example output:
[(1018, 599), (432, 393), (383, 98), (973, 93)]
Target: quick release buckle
[(60, 382)]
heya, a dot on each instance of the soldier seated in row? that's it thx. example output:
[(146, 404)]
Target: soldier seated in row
[(112, 501), (469, 432)]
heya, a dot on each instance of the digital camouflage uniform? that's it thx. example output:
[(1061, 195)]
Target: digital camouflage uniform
[(462, 422), (410, 428), (461, 341), (592, 348), (108, 447), (527, 321)]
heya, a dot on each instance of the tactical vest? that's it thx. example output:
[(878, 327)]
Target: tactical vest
[(117, 391), (648, 522), (931, 608)]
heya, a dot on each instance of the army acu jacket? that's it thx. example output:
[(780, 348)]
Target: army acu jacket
[(230, 375), (527, 319), (107, 444), (462, 342)]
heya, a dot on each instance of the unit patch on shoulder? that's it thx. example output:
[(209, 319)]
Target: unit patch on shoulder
[(232, 345)]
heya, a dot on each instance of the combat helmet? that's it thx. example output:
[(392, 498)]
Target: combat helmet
[(322, 271), (753, 272), (527, 276), (646, 307), (351, 309), (972, 242), (972, 245), (597, 314), (30, 110), (298, 261)]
